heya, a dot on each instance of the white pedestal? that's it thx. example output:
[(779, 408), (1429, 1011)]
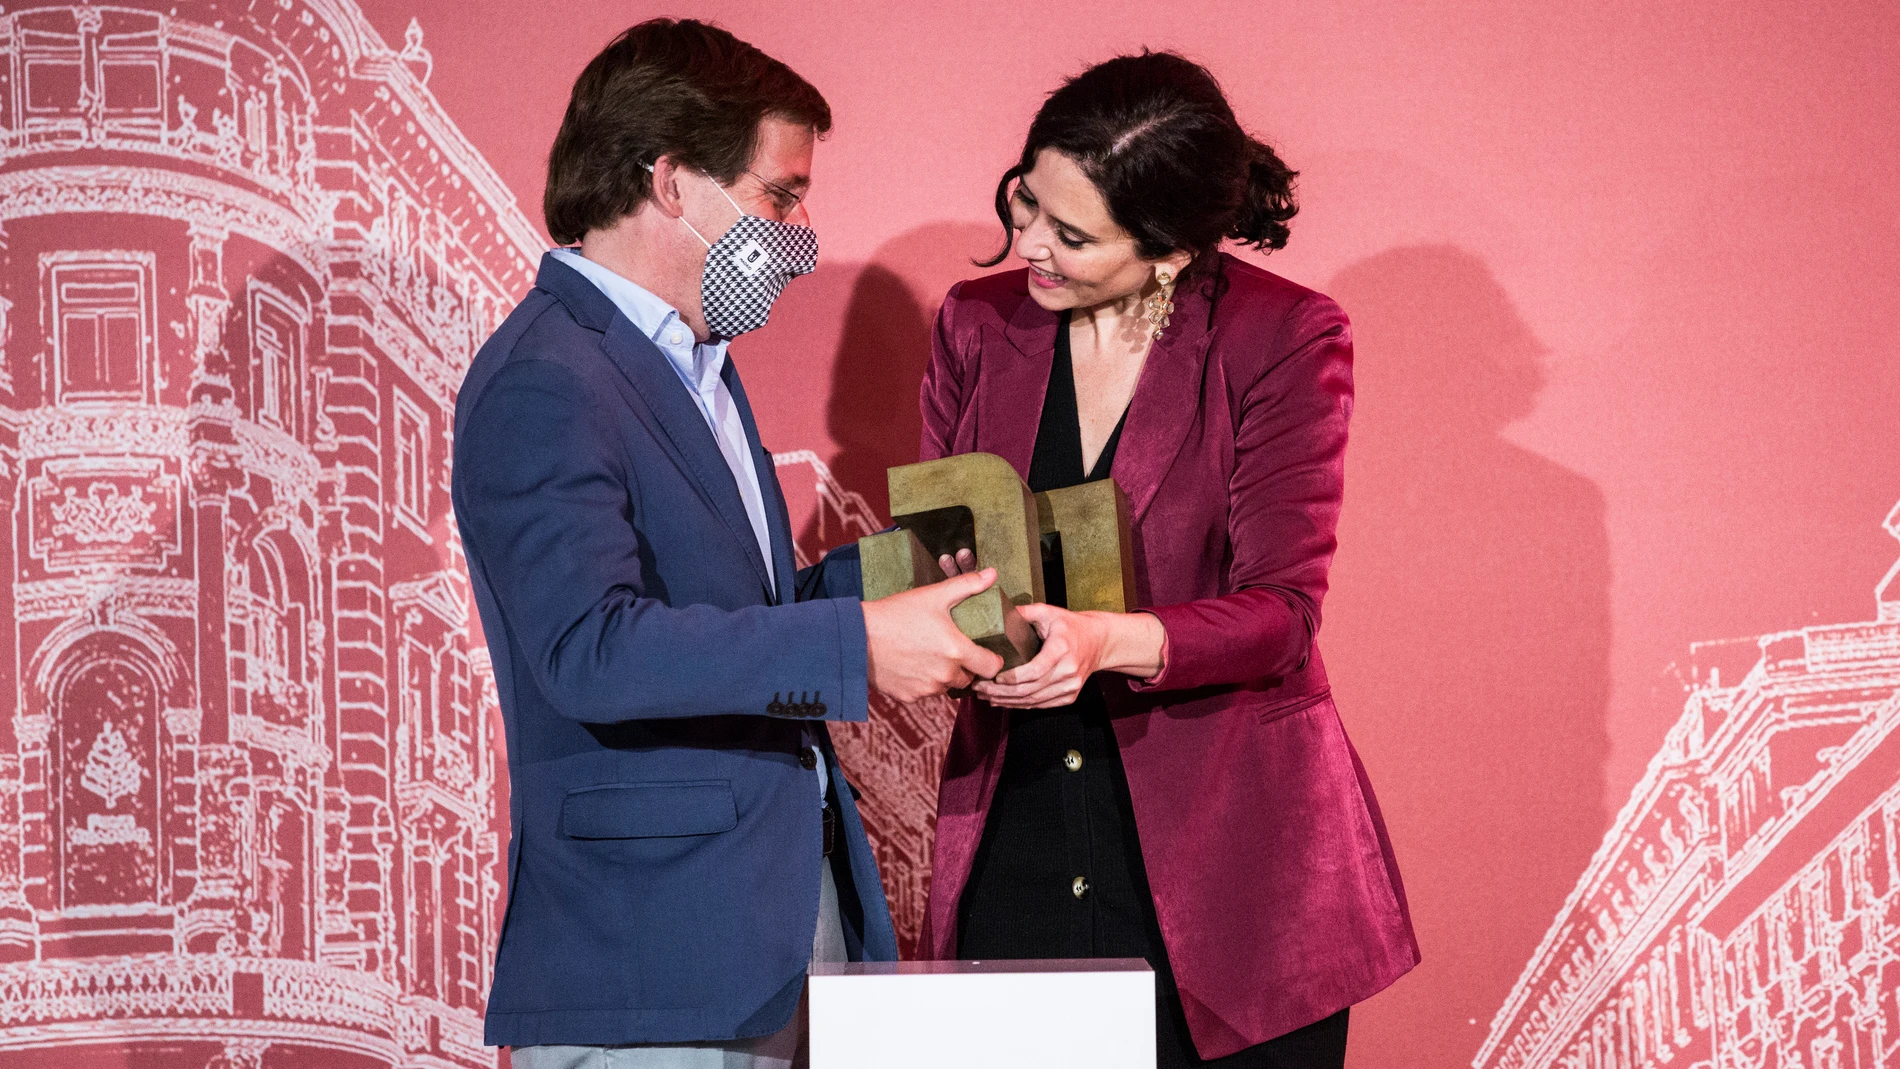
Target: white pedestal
[(1096, 1013)]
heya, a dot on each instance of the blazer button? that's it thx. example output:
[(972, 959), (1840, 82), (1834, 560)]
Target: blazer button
[(1072, 760), (1080, 888), (818, 710), (776, 708), (808, 757)]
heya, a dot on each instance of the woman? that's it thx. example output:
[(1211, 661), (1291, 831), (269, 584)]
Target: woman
[(1173, 783)]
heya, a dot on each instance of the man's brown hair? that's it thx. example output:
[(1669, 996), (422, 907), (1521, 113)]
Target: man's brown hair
[(684, 89)]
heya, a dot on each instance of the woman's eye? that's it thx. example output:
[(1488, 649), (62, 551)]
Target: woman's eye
[(1073, 243)]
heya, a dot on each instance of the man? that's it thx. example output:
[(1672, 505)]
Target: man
[(683, 840)]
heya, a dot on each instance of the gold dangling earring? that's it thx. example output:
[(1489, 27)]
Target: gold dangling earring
[(1160, 304)]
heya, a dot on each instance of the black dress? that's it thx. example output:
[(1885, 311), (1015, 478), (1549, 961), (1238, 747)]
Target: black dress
[(1058, 873)]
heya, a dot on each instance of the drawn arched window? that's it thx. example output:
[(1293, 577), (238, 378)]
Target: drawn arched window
[(285, 866), (106, 712), (101, 316), (277, 335), (270, 607)]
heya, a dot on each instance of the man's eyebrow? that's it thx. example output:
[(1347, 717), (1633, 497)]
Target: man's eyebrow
[(795, 182)]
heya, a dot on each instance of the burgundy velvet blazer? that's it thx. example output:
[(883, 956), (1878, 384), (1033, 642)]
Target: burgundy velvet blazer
[(1272, 874)]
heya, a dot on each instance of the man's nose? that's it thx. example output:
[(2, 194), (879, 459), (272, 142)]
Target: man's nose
[(799, 215)]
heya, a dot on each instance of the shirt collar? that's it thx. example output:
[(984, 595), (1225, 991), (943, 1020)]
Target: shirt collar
[(697, 365)]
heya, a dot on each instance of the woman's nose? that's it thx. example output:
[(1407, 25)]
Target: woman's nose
[(1030, 247)]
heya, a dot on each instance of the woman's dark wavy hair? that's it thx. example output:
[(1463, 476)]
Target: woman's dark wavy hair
[(1159, 140)]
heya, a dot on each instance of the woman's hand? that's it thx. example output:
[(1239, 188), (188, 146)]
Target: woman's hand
[(964, 561), (1072, 644), (1075, 646)]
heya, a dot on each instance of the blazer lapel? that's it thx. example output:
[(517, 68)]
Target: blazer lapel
[(1166, 403), (778, 520), (643, 365), (1012, 389)]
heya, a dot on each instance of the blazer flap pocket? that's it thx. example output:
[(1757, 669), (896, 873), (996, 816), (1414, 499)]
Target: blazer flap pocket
[(1285, 707), (646, 810)]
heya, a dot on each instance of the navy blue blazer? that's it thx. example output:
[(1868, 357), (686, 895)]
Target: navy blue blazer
[(663, 867)]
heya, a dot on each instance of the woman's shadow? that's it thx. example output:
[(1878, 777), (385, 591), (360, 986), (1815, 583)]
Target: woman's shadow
[(1468, 634)]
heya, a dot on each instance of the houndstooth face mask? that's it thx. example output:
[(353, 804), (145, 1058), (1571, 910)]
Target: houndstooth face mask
[(748, 268)]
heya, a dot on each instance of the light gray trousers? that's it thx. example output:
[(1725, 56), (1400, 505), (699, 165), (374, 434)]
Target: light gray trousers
[(783, 1049)]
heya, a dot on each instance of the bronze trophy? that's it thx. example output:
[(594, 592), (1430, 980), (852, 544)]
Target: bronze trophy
[(976, 501)]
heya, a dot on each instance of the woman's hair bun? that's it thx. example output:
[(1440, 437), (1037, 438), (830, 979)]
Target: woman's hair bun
[(1268, 203)]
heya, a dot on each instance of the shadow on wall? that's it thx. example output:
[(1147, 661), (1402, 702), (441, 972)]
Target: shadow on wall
[(1468, 634), (883, 348), (882, 352), (875, 319)]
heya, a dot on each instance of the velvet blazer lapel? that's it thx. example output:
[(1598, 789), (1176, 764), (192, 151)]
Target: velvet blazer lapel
[(1166, 400), (1013, 389), (644, 367)]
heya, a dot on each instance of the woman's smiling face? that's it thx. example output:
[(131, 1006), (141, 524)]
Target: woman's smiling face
[(1078, 256)]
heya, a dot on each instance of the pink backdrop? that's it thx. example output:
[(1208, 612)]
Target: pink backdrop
[(1625, 285)]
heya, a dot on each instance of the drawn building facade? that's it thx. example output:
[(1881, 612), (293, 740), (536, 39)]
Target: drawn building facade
[(249, 794), (895, 758), (1744, 910)]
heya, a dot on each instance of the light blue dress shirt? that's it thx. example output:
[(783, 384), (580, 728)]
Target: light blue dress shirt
[(698, 366)]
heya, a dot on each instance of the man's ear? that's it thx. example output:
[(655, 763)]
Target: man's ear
[(666, 187)]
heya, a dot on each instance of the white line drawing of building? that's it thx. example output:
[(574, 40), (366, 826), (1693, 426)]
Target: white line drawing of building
[(248, 795), (1743, 912), (894, 759)]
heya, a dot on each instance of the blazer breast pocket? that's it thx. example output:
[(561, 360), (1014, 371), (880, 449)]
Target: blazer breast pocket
[(649, 810)]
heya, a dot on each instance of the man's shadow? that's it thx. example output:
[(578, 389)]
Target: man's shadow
[(884, 347), (880, 346), (1468, 635)]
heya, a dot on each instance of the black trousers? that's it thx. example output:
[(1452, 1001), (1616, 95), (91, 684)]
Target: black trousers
[(1058, 874)]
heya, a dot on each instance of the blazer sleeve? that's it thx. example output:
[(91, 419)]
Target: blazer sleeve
[(1283, 511), (940, 396), (839, 574), (544, 504)]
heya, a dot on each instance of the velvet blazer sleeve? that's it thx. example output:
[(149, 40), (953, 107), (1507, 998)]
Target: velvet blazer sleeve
[(550, 506), (1282, 509)]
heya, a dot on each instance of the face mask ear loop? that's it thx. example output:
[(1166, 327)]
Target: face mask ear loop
[(689, 226), (728, 196), (729, 200), (696, 233)]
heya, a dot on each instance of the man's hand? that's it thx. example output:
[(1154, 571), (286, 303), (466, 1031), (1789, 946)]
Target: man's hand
[(915, 648)]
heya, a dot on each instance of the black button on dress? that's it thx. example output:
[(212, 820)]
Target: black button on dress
[(1058, 872)]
